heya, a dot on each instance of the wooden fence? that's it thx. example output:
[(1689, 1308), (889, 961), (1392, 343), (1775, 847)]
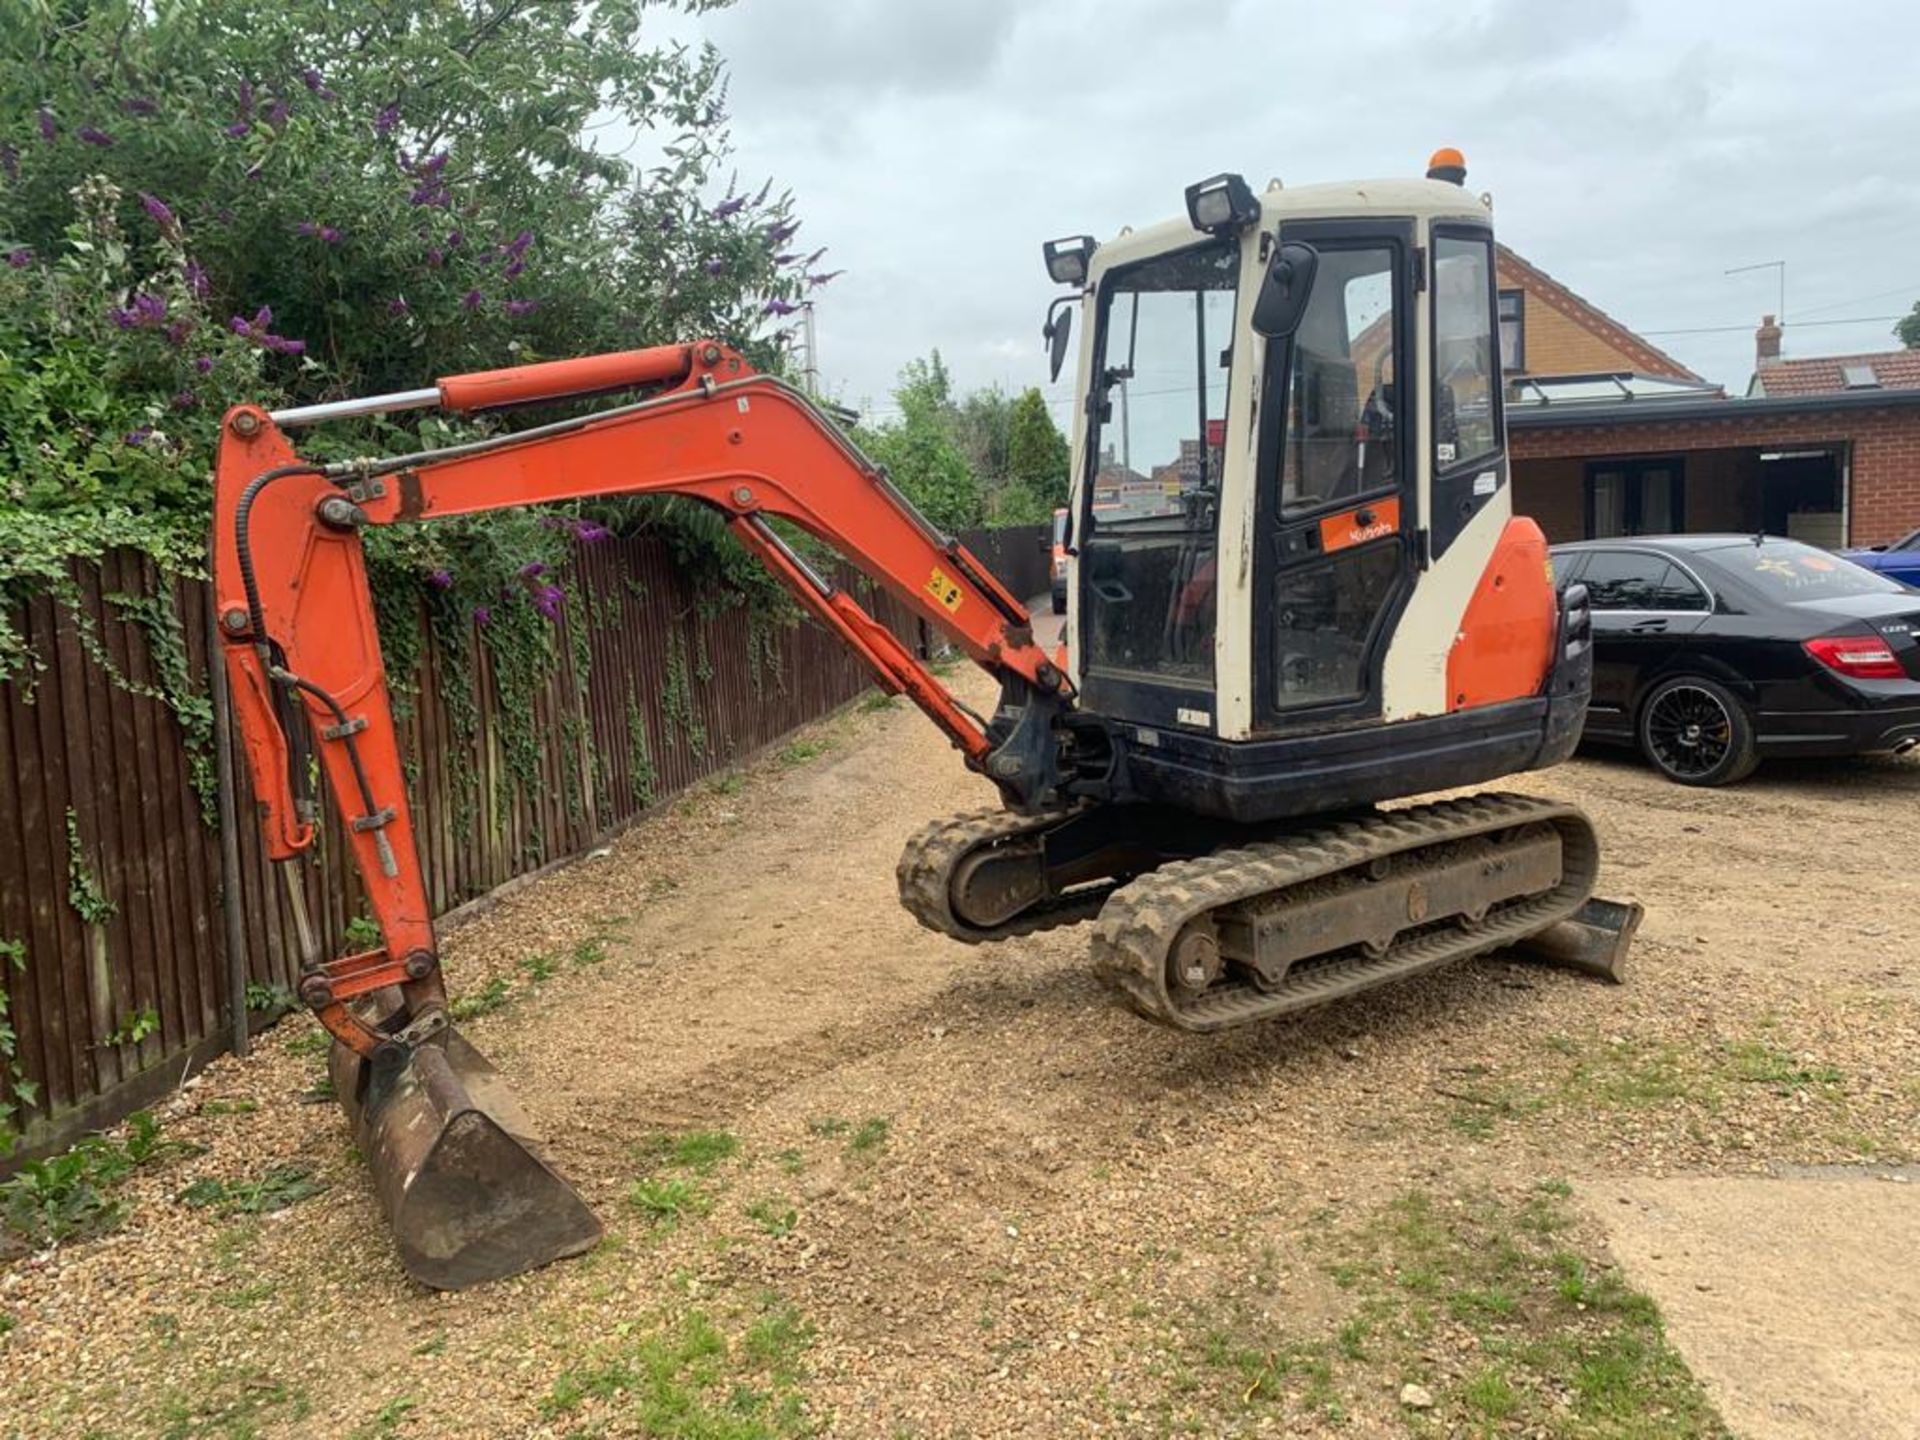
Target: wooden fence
[(110, 875)]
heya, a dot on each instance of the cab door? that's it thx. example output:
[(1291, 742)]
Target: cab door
[(1336, 480)]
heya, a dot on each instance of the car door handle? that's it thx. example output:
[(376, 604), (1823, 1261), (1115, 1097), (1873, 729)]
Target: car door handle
[(1647, 627)]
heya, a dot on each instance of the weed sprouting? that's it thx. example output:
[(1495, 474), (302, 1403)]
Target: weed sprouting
[(70, 1195), (665, 1202), (774, 1216), (279, 1187), (489, 998)]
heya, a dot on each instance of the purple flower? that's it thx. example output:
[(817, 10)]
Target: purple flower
[(48, 130), (783, 232), (139, 105), (140, 436), (203, 364), (517, 246), (817, 280), (398, 305), (178, 332), (778, 307), (185, 400), (19, 258), (238, 130), (432, 193), (440, 579), (95, 137), (589, 530), (143, 312), (786, 259), (715, 267), (436, 257), (431, 167), (548, 599), (314, 230), (386, 120), (512, 270), (278, 114), (281, 345), (728, 208), (471, 299), (197, 279), (314, 83), (455, 239), (765, 190), (532, 570), (244, 97), (522, 307), (483, 614), (256, 330), (162, 216)]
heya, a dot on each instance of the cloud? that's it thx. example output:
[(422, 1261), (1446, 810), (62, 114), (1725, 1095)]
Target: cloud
[(1636, 153)]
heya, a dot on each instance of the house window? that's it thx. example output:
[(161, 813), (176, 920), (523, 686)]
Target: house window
[(1635, 497), (1513, 344)]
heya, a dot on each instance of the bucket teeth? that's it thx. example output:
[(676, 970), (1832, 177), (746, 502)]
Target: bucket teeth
[(465, 1185)]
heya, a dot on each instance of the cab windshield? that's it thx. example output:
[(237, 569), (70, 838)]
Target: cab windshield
[(1157, 445)]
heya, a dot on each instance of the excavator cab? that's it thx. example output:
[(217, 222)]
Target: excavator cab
[(1294, 572)]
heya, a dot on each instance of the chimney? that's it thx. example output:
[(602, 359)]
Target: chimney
[(1766, 343)]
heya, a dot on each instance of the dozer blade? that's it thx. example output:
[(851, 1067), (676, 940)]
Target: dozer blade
[(467, 1191)]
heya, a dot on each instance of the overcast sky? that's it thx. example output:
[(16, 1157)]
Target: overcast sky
[(1635, 149)]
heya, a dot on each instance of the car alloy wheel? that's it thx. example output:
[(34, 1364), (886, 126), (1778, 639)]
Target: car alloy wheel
[(1689, 731)]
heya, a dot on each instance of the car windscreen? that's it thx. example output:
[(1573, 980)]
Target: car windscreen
[(1789, 571)]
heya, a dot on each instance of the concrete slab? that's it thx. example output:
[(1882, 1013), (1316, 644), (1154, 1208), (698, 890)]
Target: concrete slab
[(1794, 1298)]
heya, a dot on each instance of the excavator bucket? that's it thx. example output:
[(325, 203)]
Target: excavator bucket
[(468, 1193)]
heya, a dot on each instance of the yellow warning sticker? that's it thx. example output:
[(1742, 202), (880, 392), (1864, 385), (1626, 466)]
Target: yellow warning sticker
[(943, 589)]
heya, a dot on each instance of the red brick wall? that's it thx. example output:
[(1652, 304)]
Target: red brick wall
[(1884, 445)]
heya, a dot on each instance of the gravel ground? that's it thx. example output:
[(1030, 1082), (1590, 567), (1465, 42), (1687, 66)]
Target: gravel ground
[(945, 1191)]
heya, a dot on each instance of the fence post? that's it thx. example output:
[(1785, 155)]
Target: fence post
[(229, 832)]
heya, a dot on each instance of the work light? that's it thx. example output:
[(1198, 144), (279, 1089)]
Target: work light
[(1221, 203), (1067, 259)]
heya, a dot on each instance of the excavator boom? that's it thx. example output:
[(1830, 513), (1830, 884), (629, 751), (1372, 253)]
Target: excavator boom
[(298, 634)]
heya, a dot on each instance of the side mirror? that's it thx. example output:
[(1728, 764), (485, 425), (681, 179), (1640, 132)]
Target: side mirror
[(1056, 332), (1284, 291)]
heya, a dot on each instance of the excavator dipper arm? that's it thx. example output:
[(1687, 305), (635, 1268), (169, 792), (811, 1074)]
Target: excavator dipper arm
[(297, 619)]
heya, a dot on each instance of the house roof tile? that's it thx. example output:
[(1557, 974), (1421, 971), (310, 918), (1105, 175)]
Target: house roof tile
[(1827, 374)]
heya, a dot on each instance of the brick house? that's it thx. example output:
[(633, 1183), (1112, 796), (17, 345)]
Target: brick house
[(1609, 435)]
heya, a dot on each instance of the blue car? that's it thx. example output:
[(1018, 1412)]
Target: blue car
[(1898, 561)]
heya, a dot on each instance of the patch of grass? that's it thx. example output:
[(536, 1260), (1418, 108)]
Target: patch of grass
[(1751, 1062), (71, 1195), (701, 1151), (877, 700), (231, 1402), (666, 1202), (314, 1040), (491, 997), (592, 951), (278, 1188), (685, 1378), (1563, 1346), (828, 1126), (791, 1161), (870, 1136), (247, 1296), (1634, 1074), (387, 1419), (727, 784), (432, 1345), (773, 1215), (7, 1322), (542, 966), (801, 751)]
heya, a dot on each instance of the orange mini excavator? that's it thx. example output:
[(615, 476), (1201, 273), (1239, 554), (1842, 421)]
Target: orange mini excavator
[(1295, 588)]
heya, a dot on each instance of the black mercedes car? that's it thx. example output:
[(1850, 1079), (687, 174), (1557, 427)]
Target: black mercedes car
[(1713, 652)]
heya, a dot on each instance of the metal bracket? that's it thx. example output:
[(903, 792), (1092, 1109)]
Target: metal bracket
[(361, 491), (340, 732), (379, 820)]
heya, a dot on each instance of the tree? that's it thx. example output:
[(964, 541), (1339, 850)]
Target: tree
[(919, 449), (212, 200), (1908, 330), (1038, 456)]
